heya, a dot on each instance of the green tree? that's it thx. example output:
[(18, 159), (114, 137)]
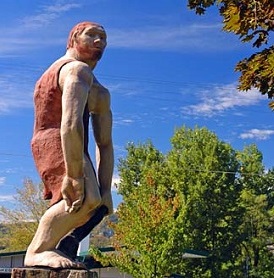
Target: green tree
[(186, 199), (149, 235), (257, 201), (201, 195), (252, 21), (204, 170), (22, 221)]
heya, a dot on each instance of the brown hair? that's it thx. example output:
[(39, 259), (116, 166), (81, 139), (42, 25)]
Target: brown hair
[(78, 29)]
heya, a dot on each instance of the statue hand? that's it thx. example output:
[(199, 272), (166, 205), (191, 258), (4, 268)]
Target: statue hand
[(107, 201), (73, 193)]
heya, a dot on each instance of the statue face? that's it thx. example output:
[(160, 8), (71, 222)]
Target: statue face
[(90, 44)]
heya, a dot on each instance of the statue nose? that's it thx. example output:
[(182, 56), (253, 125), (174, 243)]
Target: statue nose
[(99, 41)]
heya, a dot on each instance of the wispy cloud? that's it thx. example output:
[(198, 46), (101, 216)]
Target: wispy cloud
[(27, 34), (221, 98), (2, 180), (259, 134), (158, 36), (5, 198), (48, 14), (14, 95), (201, 37)]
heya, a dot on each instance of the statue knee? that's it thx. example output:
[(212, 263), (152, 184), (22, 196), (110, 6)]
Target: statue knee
[(92, 203)]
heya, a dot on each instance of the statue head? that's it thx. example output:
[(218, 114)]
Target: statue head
[(88, 37)]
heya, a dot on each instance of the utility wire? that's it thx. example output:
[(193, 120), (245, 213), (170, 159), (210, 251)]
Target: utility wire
[(187, 169), (12, 154)]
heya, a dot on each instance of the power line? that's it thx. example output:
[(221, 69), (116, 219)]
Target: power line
[(187, 169), (28, 68), (12, 154)]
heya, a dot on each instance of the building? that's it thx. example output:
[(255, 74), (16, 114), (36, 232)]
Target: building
[(9, 260)]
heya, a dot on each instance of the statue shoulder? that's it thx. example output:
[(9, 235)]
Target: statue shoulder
[(75, 70)]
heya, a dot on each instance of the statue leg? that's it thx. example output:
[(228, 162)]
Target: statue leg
[(56, 223), (70, 243)]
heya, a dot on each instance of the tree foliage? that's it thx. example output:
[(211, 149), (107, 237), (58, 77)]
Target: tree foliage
[(22, 221), (144, 235), (257, 200), (206, 170), (201, 195), (253, 22)]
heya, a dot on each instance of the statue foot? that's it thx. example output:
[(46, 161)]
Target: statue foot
[(53, 259)]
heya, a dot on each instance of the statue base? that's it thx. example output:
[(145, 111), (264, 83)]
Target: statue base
[(33, 272)]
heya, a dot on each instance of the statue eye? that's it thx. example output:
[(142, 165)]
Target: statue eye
[(91, 34)]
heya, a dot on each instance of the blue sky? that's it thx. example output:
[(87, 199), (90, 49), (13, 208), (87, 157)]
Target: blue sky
[(164, 66)]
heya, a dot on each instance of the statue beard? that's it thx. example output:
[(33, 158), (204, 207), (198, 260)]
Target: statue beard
[(97, 54), (90, 53)]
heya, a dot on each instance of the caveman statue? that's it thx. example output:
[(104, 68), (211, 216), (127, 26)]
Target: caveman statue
[(66, 97)]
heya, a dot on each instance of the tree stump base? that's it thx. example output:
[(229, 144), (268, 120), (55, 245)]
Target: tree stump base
[(34, 272)]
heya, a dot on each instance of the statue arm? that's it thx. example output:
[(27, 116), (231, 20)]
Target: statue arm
[(75, 81), (102, 128)]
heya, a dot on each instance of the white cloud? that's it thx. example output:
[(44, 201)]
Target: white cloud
[(6, 198), (27, 35), (127, 121), (173, 38), (259, 134), (48, 14), (2, 180), (221, 98), (160, 37), (13, 94)]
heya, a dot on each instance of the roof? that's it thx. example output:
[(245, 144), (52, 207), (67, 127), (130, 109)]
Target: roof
[(195, 254), (187, 253), (16, 253), (8, 260)]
